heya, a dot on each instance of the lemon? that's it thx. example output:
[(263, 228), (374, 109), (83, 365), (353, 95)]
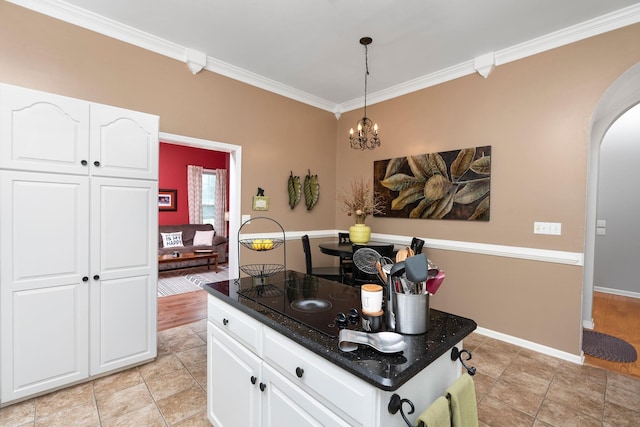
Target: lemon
[(267, 244), (257, 245)]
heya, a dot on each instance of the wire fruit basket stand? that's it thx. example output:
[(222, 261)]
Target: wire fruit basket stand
[(262, 271)]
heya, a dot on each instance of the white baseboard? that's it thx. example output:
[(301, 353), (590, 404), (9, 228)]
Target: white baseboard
[(620, 292), (578, 359), (588, 324)]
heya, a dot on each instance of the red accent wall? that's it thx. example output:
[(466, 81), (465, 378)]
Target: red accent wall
[(173, 175)]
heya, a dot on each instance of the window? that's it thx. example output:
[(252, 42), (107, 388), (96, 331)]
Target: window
[(208, 197)]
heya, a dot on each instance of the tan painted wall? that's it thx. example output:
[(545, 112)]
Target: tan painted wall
[(277, 134), (534, 112)]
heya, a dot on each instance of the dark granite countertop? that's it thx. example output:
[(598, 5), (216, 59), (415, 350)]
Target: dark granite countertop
[(385, 371)]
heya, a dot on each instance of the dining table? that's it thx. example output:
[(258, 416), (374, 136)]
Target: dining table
[(335, 248)]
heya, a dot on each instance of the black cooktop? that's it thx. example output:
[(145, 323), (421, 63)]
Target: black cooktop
[(307, 299)]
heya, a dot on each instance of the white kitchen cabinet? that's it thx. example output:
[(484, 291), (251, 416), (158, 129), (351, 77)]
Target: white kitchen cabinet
[(124, 143), (44, 314), (42, 132), (123, 253), (233, 387), (50, 133), (78, 246), (257, 376), (286, 405), (242, 390), (245, 388)]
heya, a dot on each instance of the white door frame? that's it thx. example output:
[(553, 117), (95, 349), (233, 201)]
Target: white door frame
[(234, 187)]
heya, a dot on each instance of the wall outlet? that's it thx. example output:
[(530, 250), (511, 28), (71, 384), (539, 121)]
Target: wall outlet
[(245, 218), (601, 223), (601, 231)]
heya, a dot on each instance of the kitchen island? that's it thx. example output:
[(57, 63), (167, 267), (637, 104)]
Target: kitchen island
[(273, 357)]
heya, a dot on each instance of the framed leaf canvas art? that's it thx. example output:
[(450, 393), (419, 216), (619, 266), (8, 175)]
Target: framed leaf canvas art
[(446, 185)]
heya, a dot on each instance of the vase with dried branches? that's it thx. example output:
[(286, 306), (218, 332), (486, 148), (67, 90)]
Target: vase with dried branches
[(360, 201)]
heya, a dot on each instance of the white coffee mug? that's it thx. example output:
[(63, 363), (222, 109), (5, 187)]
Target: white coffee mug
[(371, 295)]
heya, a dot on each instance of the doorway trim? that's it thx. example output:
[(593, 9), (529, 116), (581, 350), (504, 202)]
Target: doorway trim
[(234, 188), (623, 94)]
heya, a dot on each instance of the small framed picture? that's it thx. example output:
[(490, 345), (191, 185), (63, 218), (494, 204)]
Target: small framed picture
[(260, 203), (168, 200)]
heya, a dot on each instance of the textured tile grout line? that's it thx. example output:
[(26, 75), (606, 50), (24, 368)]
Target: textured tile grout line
[(155, 402), (95, 401)]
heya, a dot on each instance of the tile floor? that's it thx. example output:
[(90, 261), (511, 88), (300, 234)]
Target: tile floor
[(514, 387), (171, 391)]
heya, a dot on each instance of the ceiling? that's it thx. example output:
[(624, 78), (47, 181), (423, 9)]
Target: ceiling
[(309, 50)]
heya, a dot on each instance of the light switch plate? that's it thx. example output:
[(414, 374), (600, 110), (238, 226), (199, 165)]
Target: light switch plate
[(601, 223), (553, 228)]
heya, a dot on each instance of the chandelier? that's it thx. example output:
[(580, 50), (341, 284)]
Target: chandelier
[(367, 136)]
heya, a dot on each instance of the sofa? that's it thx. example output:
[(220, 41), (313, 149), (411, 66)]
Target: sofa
[(218, 244)]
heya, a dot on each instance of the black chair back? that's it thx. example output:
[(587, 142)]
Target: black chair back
[(416, 245), (346, 262), (306, 247)]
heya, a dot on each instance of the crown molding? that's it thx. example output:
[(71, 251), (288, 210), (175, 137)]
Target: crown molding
[(605, 23), (253, 79), (94, 22)]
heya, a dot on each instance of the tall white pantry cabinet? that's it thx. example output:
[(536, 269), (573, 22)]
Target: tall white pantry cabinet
[(78, 240)]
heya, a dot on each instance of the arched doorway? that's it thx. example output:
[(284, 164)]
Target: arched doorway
[(621, 95)]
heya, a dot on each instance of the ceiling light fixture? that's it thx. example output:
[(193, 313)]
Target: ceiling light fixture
[(367, 136)]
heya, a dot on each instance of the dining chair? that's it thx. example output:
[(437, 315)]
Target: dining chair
[(416, 245), (330, 273), (346, 261), (359, 276), (343, 238)]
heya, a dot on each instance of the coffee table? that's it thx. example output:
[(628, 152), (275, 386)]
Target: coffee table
[(163, 259)]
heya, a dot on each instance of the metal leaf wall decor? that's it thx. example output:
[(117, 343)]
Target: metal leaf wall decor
[(446, 185)]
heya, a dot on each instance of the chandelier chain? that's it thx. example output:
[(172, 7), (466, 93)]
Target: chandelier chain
[(366, 75)]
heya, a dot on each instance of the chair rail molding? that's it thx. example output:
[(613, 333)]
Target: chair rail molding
[(532, 254)]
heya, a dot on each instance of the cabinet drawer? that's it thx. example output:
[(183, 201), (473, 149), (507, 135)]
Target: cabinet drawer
[(321, 378), (236, 323)]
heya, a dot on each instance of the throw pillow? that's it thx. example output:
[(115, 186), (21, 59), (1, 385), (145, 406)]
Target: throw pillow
[(203, 238), (172, 240)]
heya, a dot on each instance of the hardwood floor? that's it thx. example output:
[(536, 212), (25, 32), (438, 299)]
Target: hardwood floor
[(618, 316), (177, 310)]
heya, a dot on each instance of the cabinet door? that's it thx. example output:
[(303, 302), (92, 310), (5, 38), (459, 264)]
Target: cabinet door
[(233, 381), (43, 298), (123, 272), (286, 405), (43, 132), (124, 143)]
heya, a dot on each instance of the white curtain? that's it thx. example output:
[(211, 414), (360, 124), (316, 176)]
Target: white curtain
[(221, 202), (194, 188)]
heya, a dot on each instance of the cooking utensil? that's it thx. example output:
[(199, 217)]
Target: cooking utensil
[(402, 254), (417, 268), (434, 283), (381, 272), (393, 279), (384, 342), (367, 260)]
